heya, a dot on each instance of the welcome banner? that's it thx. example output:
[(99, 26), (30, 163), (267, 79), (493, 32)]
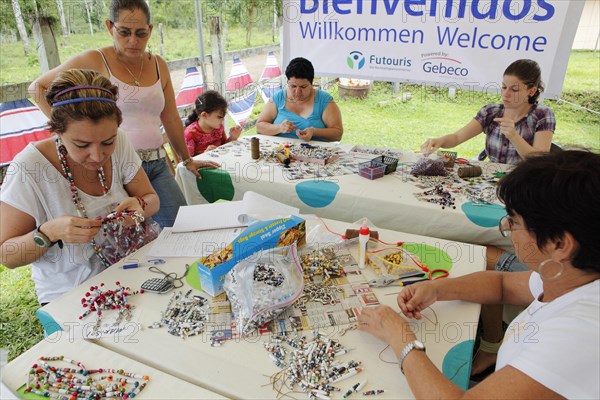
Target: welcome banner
[(464, 44)]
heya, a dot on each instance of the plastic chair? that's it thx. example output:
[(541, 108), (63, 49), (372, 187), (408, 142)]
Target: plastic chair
[(553, 148), (49, 324)]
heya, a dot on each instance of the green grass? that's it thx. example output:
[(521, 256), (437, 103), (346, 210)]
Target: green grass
[(15, 67), (19, 327)]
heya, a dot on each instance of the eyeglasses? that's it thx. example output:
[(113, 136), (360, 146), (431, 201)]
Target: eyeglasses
[(506, 226), (126, 32)]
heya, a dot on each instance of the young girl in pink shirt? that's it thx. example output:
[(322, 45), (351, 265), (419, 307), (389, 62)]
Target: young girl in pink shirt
[(204, 130)]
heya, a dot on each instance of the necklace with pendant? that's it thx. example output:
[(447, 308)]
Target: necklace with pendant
[(136, 81), (76, 198)]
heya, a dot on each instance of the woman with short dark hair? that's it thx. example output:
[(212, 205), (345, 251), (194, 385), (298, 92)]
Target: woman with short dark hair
[(301, 111), (552, 349)]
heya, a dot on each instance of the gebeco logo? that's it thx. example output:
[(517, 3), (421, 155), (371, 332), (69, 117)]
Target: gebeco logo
[(355, 60), (444, 66)]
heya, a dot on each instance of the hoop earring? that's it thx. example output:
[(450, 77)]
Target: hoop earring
[(556, 275)]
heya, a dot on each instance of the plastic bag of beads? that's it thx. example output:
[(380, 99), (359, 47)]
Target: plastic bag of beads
[(394, 261), (323, 262), (263, 285), (429, 167), (118, 241)]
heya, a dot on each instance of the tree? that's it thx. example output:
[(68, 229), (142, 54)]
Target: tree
[(88, 10), (21, 26), (63, 21)]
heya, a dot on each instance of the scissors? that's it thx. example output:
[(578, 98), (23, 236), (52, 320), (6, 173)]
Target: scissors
[(433, 273)]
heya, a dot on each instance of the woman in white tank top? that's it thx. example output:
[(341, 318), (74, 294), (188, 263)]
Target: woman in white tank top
[(146, 98)]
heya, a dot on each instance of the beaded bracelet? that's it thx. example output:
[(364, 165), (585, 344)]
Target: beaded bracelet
[(142, 202)]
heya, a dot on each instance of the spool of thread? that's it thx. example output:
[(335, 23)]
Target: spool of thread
[(469, 171), (255, 148), (283, 159)]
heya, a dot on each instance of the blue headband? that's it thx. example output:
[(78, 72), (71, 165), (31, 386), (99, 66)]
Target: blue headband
[(81, 100)]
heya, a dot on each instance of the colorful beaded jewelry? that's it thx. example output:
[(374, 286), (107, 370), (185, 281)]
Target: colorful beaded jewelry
[(82, 383), (75, 197), (98, 300), (111, 224), (438, 195)]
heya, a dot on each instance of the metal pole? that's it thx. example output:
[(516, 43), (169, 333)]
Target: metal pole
[(201, 41)]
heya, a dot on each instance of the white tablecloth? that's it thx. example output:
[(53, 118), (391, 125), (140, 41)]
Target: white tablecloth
[(388, 202), (241, 368)]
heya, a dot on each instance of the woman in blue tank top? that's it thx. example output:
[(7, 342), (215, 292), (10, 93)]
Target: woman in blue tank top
[(301, 111)]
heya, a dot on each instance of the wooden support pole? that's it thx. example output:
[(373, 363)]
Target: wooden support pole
[(45, 42), (201, 41), (218, 55)]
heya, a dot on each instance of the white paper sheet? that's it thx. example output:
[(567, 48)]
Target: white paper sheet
[(191, 244), (232, 214)]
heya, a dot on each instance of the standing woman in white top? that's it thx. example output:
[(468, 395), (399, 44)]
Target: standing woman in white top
[(146, 98)]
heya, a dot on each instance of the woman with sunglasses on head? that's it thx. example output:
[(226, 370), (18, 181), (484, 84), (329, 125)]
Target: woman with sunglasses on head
[(300, 110), (146, 98), (552, 349), (58, 191)]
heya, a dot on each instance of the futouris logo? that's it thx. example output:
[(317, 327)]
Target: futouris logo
[(356, 60)]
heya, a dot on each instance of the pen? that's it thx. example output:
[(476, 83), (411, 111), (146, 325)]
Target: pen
[(153, 261), (130, 266)]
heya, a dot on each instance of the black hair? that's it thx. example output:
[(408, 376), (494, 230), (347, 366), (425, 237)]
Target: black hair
[(530, 73), (117, 5), (556, 193), (208, 102), (300, 68)]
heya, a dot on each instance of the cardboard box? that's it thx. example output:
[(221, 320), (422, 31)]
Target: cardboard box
[(258, 236)]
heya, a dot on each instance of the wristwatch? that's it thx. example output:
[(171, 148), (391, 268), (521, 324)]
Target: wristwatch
[(414, 345), (41, 240), (187, 161)]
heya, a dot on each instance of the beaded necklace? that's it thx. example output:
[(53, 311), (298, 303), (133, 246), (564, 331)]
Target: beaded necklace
[(80, 383), (79, 206)]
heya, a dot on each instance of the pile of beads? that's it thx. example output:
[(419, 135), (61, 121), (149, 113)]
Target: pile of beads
[(268, 275), (481, 195), (438, 195), (184, 316), (313, 154), (320, 292), (82, 383), (98, 300), (322, 262), (311, 365)]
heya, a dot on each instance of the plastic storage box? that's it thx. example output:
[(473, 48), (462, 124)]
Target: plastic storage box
[(391, 163), (371, 169)]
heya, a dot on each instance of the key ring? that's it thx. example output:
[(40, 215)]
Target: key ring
[(177, 281)]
